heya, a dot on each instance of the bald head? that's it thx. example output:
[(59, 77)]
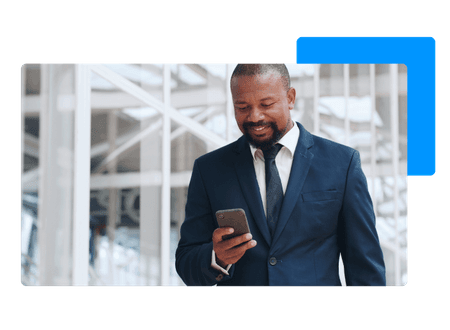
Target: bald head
[(263, 69)]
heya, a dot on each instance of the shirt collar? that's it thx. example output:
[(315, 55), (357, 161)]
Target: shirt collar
[(288, 141)]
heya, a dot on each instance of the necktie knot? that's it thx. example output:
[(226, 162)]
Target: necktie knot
[(272, 152)]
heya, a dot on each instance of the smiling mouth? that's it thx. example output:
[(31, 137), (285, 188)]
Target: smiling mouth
[(259, 130)]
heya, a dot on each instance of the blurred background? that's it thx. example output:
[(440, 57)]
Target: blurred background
[(108, 150)]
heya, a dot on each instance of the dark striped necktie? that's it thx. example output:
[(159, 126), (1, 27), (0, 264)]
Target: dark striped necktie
[(274, 189)]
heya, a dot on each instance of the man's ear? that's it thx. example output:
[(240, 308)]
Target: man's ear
[(291, 97)]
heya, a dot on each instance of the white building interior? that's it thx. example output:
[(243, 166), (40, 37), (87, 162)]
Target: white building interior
[(108, 152)]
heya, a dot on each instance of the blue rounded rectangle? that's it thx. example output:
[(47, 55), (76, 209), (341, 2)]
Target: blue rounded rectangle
[(418, 54)]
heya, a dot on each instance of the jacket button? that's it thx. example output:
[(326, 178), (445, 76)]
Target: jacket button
[(273, 261), (219, 277)]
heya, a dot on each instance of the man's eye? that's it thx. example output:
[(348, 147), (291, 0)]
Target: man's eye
[(267, 105), (242, 108)]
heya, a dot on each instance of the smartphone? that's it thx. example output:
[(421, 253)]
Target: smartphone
[(235, 218)]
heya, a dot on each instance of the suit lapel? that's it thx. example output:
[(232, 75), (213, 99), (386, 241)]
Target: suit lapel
[(247, 179), (299, 170)]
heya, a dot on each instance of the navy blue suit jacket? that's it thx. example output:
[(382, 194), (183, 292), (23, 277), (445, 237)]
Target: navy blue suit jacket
[(326, 211)]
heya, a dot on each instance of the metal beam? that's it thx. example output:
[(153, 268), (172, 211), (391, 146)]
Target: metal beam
[(198, 95), (165, 191), (55, 216), (373, 134), (127, 86), (22, 86), (393, 71), (103, 147), (385, 169), (104, 101), (346, 102), (128, 144), (30, 144), (229, 106), (316, 99), (135, 138), (210, 78), (82, 160), (119, 180), (113, 202), (201, 116)]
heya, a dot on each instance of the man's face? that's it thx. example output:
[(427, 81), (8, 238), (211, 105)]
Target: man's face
[(262, 108)]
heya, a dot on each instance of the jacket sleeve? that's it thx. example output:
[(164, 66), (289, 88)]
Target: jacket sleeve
[(357, 237), (193, 255)]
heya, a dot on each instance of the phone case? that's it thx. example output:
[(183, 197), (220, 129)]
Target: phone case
[(235, 218)]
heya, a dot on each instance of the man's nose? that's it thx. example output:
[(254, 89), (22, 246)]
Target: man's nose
[(255, 115)]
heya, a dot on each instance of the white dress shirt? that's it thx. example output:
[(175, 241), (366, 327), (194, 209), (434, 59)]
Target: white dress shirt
[(283, 161)]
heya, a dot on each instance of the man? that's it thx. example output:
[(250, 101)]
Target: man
[(306, 204)]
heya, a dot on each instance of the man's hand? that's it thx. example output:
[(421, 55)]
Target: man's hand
[(227, 251)]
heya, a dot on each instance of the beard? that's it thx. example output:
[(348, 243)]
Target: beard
[(268, 143)]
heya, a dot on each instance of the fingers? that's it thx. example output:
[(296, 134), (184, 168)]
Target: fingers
[(236, 241), (239, 250), (231, 256), (219, 232), (229, 243), (231, 250)]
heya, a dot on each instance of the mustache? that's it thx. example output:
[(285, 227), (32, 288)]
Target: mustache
[(259, 123)]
